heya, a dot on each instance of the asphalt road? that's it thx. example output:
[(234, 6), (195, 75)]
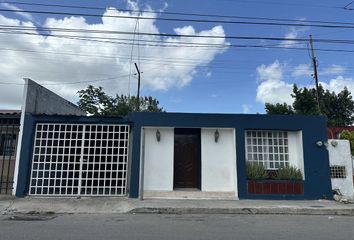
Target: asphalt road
[(154, 226)]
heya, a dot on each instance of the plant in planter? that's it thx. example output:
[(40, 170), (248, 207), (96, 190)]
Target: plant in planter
[(255, 171), (289, 173), (286, 180)]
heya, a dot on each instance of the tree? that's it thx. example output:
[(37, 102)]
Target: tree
[(338, 108), (95, 101), (279, 108), (348, 136), (305, 100)]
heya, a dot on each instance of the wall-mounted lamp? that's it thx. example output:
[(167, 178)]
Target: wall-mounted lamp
[(319, 143), (216, 135), (158, 135), (334, 143)]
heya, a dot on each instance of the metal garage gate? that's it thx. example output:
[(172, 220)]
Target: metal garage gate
[(80, 159)]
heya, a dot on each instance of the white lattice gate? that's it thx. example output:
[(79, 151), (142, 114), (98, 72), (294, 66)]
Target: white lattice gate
[(80, 159)]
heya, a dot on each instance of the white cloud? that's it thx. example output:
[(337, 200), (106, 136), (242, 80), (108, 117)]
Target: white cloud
[(163, 67), (302, 70), (246, 108), (133, 5), (25, 15), (165, 6), (307, 70), (337, 84), (272, 88), (333, 69), (291, 34)]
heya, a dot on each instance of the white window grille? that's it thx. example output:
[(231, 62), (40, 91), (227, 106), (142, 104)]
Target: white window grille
[(80, 159), (270, 148)]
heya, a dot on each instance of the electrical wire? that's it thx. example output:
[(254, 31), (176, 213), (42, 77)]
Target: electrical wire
[(323, 25), (176, 13), (73, 30), (69, 83)]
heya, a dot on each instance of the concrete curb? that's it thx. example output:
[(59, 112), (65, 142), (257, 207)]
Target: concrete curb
[(259, 210), (133, 206)]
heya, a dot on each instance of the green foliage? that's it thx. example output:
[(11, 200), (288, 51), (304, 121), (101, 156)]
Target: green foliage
[(348, 136), (95, 101), (255, 171), (279, 109), (305, 100), (338, 108), (289, 173)]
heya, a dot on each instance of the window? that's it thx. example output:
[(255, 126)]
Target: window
[(7, 144), (271, 148), (338, 172)]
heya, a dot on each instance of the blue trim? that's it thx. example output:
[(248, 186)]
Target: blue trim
[(30, 121), (316, 161)]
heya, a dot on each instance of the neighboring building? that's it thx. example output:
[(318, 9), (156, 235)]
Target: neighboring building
[(334, 132), (166, 155), (9, 128)]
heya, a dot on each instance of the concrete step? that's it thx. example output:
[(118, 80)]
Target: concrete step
[(189, 194)]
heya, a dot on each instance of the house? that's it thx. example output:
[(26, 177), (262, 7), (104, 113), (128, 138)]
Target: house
[(208, 153), (9, 129), (166, 155), (334, 132)]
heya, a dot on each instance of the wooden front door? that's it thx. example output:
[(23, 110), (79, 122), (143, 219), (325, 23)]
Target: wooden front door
[(187, 158)]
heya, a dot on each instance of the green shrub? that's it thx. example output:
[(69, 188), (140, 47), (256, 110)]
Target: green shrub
[(350, 137), (289, 173), (255, 171)]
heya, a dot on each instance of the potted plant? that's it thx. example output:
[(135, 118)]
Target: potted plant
[(286, 180)]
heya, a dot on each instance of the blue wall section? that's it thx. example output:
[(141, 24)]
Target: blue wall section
[(317, 184), (30, 122)]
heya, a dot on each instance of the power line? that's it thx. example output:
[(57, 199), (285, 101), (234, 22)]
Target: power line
[(322, 25), (264, 46), (285, 4), (73, 30), (177, 13), (131, 55), (61, 83)]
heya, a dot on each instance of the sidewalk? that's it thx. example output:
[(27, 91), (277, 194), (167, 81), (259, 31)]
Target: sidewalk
[(125, 205)]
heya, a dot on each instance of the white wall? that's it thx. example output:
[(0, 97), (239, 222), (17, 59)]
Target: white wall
[(340, 155), (296, 153), (158, 161), (218, 161)]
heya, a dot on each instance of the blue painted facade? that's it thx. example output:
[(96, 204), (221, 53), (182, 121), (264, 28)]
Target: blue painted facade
[(316, 162)]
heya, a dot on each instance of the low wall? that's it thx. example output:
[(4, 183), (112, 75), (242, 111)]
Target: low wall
[(339, 157)]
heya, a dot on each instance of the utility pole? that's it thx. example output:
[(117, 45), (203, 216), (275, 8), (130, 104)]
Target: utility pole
[(315, 75), (138, 94)]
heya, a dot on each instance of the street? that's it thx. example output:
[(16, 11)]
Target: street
[(155, 226)]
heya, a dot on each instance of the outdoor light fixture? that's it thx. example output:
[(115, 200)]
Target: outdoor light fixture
[(216, 136), (334, 143), (158, 135)]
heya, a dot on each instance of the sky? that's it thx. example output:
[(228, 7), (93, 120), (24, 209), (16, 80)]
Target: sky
[(186, 74)]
